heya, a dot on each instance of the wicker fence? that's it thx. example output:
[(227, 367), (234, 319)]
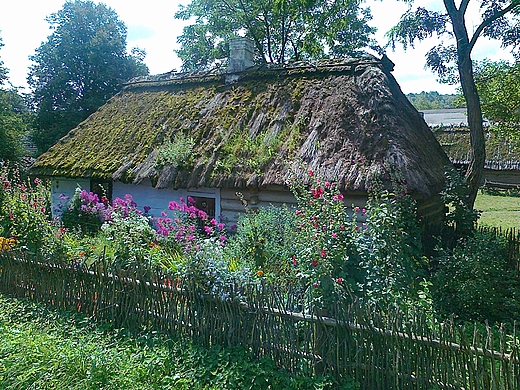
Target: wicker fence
[(380, 350)]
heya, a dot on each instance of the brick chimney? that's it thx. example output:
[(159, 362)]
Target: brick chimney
[(241, 53)]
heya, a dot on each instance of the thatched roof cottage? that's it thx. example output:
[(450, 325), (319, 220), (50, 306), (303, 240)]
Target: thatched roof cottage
[(212, 134)]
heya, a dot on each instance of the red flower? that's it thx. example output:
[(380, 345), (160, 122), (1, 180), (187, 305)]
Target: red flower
[(314, 263), (317, 193), (323, 253), (339, 280), (294, 260), (310, 172)]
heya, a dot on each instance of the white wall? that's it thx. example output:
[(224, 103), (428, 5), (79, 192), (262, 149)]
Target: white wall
[(64, 186), (159, 199)]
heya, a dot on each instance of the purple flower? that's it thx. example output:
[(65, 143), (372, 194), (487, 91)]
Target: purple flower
[(208, 229), (146, 209)]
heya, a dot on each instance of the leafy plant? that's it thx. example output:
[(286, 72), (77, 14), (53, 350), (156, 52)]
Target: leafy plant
[(474, 283), (177, 153), (24, 210)]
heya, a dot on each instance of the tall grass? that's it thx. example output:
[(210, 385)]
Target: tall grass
[(45, 349)]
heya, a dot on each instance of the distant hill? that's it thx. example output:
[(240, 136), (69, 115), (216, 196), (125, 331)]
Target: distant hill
[(432, 100)]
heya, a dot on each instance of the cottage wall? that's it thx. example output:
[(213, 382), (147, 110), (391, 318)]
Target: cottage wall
[(62, 188), (232, 206)]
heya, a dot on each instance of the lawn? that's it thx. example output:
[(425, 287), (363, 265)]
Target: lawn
[(498, 210), (45, 349)]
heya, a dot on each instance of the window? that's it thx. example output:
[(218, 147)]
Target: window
[(205, 204), (103, 188)]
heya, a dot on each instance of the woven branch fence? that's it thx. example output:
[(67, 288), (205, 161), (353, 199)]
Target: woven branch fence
[(390, 350)]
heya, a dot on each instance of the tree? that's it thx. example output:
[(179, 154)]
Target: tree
[(498, 85), (12, 125), (282, 30), (420, 23), (431, 100), (81, 65)]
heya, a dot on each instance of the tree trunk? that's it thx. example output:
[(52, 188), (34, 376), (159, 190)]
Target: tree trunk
[(476, 130)]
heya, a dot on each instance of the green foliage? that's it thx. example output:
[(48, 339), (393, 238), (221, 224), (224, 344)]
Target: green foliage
[(177, 153), (13, 119), (337, 256), (419, 23), (44, 349), (264, 239), (82, 64), (282, 30), (12, 125), (474, 282), (461, 217), (24, 210), (498, 85), (431, 100)]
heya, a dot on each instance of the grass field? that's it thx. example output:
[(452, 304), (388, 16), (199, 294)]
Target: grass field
[(498, 210), (46, 349)]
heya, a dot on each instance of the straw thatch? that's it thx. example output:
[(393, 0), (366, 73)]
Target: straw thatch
[(341, 118), (502, 166)]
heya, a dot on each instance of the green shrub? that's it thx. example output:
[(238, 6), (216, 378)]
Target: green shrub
[(265, 239), (24, 210), (473, 281)]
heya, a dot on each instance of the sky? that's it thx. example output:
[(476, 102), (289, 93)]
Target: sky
[(151, 26)]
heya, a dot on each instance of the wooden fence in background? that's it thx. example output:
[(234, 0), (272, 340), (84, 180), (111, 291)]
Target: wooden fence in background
[(381, 350)]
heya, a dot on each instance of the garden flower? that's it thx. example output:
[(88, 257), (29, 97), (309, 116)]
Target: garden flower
[(314, 263), (334, 235), (315, 285), (260, 273), (310, 172), (317, 193), (147, 209), (208, 229), (294, 260), (323, 253), (339, 280)]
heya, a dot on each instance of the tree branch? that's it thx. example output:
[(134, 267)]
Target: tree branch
[(497, 15), (464, 6)]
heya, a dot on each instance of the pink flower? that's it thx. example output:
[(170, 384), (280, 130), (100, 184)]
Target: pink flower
[(323, 253), (315, 285), (317, 193), (294, 260), (310, 172), (339, 280), (213, 221), (334, 235), (208, 229)]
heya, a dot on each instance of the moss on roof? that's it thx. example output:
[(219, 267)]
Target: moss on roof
[(342, 118)]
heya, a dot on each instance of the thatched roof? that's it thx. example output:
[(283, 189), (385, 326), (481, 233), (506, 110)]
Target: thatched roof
[(501, 153), (341, 118)]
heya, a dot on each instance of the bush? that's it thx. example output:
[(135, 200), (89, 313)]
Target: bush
[(24, 210), (265, 239), (474, 283)]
